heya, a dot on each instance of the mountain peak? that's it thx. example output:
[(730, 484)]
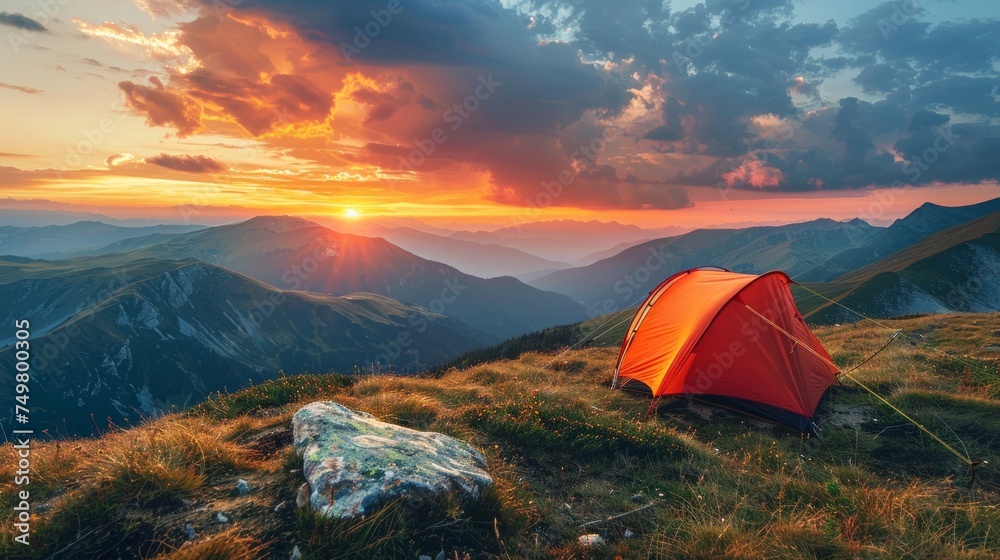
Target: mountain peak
[(277, 223), (858, 222)]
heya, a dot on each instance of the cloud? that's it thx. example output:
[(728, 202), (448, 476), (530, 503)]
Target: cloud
[(725, 92), (21, 22), (23, 89), (163, 47), (162, 107), (117, 159), (187, 163), (754, 174)]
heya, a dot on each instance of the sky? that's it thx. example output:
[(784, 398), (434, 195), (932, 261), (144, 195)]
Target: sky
[(655, 113)]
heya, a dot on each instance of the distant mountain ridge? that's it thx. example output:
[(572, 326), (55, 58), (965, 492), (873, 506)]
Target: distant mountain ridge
[(478, 259), (952, 270), (616, 282), (161, 334), (297, 254), (929, 218), (564, 240), (60, 241)]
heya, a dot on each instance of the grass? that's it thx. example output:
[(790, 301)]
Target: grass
[(568, 457), (224, 545)]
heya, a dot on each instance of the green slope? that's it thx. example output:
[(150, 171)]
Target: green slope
[(617, 282), (568, 456), (73, 239), (952, 270), (174, 332), (926, 220)]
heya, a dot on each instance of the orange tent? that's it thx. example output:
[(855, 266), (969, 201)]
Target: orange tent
[(736, 340)]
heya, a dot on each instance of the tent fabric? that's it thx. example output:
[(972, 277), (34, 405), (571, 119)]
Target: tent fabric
[(696, 335)]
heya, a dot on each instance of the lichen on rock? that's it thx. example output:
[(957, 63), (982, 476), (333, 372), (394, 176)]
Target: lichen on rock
[(355, 463)]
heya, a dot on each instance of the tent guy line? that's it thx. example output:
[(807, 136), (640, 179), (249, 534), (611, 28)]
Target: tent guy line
[(693, 336)]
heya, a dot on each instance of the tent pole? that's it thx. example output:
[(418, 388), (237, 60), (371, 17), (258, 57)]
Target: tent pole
[(652, 407)]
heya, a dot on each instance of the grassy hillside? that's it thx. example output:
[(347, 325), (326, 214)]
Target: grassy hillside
[(607, 330), (926, 220), (569, 456), (113, 345), (616, 282), (952, 270)]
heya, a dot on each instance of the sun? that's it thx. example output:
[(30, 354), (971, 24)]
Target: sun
[(352, 213)]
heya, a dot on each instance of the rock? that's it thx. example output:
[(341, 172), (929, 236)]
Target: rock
[(637, 498), (190, 532), (424, 557), (282, 507), (591, 539), (629, 534), (187, 502), (296, 553), (221, 518), (242, 487), (440, 556), (302, 496), (355, 463)]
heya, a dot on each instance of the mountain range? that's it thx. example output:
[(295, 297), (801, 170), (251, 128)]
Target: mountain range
[(296, 254), (162, 316), (954, 270), (129, 341), (59, 241), (486, 260), (929, 218), (617, 282)]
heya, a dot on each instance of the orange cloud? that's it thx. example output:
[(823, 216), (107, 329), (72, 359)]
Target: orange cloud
[(163, 107), (755, 174), (489, 135)]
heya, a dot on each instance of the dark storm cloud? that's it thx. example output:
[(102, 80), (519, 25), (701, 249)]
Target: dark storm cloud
[(187, 163), (963, 94), (545, 85), (21, 22), (725, 75), (720, 67), (884, 78), (951, 64), (895, 34)]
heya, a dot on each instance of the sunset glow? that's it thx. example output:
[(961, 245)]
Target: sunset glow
[(164, 105)]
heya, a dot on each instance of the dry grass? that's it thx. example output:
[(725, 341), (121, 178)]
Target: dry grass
[(566, 451), (224, 545)]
